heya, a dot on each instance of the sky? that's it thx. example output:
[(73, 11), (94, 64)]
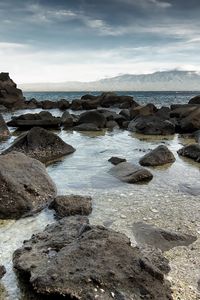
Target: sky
[(86, 40)]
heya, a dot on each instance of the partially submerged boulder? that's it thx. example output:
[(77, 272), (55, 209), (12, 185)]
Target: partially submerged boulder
[(116, 160), (161, 155), (26, 188), (41, 144), (93, 117), (79, 261), (43, 119), (10, 95), (86, 127), (4, 131), (131, 173), (72, 205), (191, 151)]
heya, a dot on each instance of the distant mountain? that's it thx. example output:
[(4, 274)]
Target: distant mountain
[(159, 81)]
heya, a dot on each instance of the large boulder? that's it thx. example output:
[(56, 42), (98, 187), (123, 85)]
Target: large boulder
[(152, 125), (111, 99), (67, 120), (43, 119), (191, 122), (191, 151), (195, 100), (4, 131), (93, 117), (72, 205), (159, 156), (26, 188), (147, 110), (41, 144), (130, 173), (10, 95), (76, 260)]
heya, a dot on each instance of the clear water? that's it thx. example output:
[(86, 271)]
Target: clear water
[(166, 200)]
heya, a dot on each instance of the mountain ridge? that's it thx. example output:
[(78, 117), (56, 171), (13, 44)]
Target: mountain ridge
[(173, 80)]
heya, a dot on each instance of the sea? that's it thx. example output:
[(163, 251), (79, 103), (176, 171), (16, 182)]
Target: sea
[(171, 200)]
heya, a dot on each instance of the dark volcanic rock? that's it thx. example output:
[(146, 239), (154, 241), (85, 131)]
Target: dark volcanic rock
[(159, 156), (191, 151), (111, 99), (195, 100), (191, 122), (86, 127), (160, 238), (10, 95), (76, 105), (152, 125), (41, 144), (80, 261), (4, 131), (43, 119), (130, 173), (72, 205), (146, 110), (2, 271), (93, 117), (116, 160), (67, 120), (63, 104), (26, 187)]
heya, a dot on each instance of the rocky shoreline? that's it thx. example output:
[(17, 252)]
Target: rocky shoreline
[(72, 258)]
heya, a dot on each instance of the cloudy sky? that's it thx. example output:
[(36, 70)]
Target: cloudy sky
[(62, 40)]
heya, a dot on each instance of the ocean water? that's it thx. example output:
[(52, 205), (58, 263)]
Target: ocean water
[(171, 200), (157, 98)]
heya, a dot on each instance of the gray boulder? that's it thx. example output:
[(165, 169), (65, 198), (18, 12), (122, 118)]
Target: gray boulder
[(72, 205), (129, 173), (191, 151), (159, 156), (116, 160), (93, 117), (76, 260), (26, 188), (41, 144)]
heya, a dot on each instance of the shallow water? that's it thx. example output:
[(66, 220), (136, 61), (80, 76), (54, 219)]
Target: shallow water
[(166, 200)]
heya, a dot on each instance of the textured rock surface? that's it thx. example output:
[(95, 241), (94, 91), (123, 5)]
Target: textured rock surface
[(80, 261), (191, 151), (130, 173), (72, 205), (116, 160), (41, 144), (2, 271), (26, 187), (93, 117), (4, 131), (159, 156), (10, 95)]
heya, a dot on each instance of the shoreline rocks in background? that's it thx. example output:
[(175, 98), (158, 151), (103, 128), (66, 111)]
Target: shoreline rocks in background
[(10, 96), (77, 260), (43, 119), (195, 100), (2, 271), (191, 151), (4, 131), (71, 205), (26, 188), (41, 144), (161, 155), (130, 173)]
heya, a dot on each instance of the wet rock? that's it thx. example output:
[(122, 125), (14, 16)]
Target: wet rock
[(10, 95), (112, 116), (26, 188), (72, 205), (195, 100), (146, 110), (4, 131), (88, 97), (67, 120), (41, 144), (159, 156), (125, 113), (43, 119), (152, 125), (92, 117), (86, 127), (131, 173), (80, 261), (111, 125), (63, 104), (111, 99), (191, 122), (191, 151), (3, 108), (160, 238), (116, 160), (76, 105), (2, 271), (48, 104)]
